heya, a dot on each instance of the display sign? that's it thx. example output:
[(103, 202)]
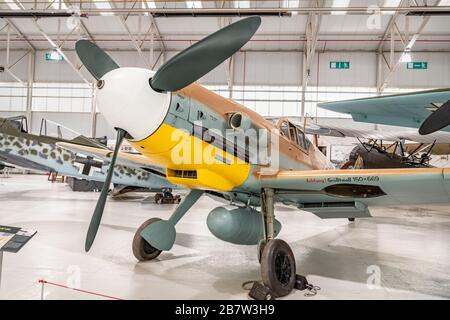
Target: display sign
[(339, 65), (12, 239), (417, 65), (53, 56)]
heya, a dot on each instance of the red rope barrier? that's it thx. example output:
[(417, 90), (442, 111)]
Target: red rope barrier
[(79, 290)]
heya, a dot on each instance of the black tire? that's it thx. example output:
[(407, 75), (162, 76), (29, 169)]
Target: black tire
[(142, 250), (351, 219), (278, 268)]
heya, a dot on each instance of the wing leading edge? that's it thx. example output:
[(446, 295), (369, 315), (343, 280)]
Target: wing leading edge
[(405, 110)]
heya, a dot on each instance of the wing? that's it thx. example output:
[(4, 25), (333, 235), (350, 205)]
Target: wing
[(125, 159), (340, 127), (404, 110), (349, 193)]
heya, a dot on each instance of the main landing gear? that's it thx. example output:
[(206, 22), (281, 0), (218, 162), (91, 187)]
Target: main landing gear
[(156, 235), (278, 270)]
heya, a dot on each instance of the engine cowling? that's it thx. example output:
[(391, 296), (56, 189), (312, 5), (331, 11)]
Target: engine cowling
[(238, 225)]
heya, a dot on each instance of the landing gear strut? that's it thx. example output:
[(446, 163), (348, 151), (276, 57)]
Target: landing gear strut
[(156, 235), (278, 269)]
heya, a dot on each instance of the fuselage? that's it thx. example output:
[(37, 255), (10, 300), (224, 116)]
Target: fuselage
[(191, 133)]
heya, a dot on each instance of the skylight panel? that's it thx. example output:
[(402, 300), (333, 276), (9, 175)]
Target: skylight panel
[(340, 4), (242, 4), (194, 4), (291, 3), (102, 4), (390, 3), (12, 4), (55, 4), (150, 4)]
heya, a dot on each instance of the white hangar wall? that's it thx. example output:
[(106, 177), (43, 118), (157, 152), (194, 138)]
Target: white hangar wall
[(268, 82)]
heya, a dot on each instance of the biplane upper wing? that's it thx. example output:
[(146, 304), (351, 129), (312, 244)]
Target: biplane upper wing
[(340, 127), (349, 193), (126, 159), (405, 110)]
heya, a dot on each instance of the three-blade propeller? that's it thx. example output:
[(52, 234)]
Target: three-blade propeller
[(438, 120), (180, 71)]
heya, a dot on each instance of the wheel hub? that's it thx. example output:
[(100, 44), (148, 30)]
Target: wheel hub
[(148, 249), (282, 268)]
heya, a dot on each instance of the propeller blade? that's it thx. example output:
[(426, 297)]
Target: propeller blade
[(98, 212), (437, 120), (96, 61), (194, 62)]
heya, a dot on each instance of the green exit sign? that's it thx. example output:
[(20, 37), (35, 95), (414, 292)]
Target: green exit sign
[(339, 65), (53, 56), (417, 65)]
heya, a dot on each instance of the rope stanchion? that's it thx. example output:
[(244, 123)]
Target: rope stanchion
[(43, 282)]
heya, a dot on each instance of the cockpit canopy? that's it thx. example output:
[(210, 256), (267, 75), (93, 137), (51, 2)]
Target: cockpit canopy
[(294, 133)]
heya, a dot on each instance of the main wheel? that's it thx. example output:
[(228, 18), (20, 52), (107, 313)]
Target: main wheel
[(142, 250), (278, 269)]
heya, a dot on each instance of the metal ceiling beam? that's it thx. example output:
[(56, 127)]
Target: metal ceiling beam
[(313, 24), (59, 50), (134, 41), (245, 11), (408, 45), (82, 25), (158, 34), (390, 25), (20, 34)]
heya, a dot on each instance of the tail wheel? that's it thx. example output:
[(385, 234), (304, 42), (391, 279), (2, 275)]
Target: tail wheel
[(278, 268), (142, 250)]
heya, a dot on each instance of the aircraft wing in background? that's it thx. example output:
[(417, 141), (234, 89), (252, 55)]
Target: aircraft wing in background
[(126, 159), (404, 110), (345, 127)]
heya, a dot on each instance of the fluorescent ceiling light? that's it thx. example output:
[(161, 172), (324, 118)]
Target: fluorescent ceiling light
[(340, 4), (194, 4), (390, 3), (55, 4), (101, 4), (291, 3), (242, 4)]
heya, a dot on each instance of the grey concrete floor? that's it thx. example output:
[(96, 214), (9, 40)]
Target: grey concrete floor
[(401, 253)]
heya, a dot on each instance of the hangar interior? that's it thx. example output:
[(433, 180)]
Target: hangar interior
[(304, 53)]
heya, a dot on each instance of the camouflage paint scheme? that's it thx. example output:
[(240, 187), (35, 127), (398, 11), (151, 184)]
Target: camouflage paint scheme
[(41, 153), (305, 178)]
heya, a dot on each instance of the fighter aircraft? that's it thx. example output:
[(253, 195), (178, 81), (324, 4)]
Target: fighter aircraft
[(40, 152), (427, 110), (165, 115)]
